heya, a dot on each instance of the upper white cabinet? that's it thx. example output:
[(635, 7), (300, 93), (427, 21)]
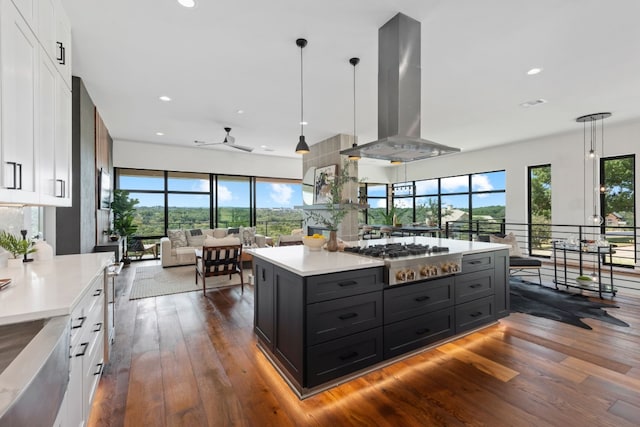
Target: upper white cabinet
[(29, 11), (35, 104), (19, 51)]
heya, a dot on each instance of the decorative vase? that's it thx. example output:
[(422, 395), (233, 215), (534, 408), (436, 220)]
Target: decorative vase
[(332, 244)]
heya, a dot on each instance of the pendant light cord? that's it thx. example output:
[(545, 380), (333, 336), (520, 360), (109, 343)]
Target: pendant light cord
[(354, 104), (301, 94)]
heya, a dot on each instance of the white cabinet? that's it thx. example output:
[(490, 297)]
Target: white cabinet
[(86, 352), (35, 107), (29, 10), (19, 51), (62, 44)]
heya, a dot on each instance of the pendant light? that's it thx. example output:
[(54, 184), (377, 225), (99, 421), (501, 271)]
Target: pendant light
[(355, 155), (595, 218), (302, 147)]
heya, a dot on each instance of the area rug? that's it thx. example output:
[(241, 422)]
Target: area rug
[(558, 305), (153, 281)]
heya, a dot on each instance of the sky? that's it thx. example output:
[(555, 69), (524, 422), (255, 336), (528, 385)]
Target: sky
[(235, 192)]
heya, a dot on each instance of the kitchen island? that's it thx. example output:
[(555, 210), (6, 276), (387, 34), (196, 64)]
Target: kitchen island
[(323, 317)]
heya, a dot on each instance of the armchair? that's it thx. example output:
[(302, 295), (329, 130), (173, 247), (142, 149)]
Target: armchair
[(219, 261)]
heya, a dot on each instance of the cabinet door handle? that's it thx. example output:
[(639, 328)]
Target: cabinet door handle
[(422, 298), (475, 285), (476, 314), (98, 327), (97, 293), (348, 283), (475, 262), (264, 275), (347, 316), (16, 176), (99, 371), (350, 355), (423, 331), (84, 346), (60, 188), (81, 319), (61, 53)]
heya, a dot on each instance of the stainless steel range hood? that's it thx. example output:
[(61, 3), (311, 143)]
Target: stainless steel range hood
[(399, 76)]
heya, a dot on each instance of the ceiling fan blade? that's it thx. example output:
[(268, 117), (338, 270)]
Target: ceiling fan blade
[(241, 147), (200, 143)]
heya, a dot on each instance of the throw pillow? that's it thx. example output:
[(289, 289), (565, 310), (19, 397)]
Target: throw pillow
[(509, 239), (195, 237), (248, 235), (178, 238), (219, 233), (225, 241)]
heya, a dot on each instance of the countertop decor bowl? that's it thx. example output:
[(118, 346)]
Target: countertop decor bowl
[(313, 243)]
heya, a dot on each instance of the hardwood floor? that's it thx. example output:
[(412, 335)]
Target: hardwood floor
[(187, 360)]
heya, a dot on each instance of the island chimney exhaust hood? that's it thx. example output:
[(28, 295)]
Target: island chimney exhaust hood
[(399, 76)]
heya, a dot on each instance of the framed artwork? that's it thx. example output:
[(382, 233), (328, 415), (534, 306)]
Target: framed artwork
[(324, 176)]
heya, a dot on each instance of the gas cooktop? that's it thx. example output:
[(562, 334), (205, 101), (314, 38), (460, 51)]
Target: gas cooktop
[(396, 250)]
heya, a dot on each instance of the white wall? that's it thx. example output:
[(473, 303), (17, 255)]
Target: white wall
[(143, 155)]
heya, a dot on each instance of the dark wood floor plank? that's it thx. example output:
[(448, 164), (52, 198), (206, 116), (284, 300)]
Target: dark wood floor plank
[(186, 359)]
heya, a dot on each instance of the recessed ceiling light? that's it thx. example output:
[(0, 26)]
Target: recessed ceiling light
[(240, 111), (534, 71), (160, 133), (304, 123), (533, 103), (165, 98), (187, 3)]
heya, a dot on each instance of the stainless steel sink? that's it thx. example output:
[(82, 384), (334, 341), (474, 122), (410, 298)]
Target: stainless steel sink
[(34, 371)]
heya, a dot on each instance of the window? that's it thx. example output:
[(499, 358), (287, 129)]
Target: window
[(146, 186), (277, 206), (188, 200), (539, 210), (233, 200), (617, 201), (376, 198)]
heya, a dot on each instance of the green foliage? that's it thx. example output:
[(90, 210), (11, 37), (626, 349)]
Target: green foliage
[(15, 245), (123, 213), (541, 192), (336, 208), (619, 182)]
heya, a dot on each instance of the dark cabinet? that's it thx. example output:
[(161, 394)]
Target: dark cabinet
[(339, 285), (415, 332), (289, 321), (474, 285), (337, 318), (474, 314), (501, 283), (407, 301), (264, 308)]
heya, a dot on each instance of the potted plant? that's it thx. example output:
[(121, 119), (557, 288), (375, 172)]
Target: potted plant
[(335, 207), (16, 246), (123, 209)]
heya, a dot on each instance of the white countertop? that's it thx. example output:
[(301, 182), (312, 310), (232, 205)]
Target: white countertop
[(43, 289), (304, 262)]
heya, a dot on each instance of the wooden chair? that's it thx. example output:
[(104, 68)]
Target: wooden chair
[(219, 261)]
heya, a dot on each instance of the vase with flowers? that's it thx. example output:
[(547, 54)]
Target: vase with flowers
[(336, 208)]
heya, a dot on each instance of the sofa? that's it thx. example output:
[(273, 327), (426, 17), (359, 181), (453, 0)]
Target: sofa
[(178, 247)]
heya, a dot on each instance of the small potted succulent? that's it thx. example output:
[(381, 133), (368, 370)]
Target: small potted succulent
[(17, 247)]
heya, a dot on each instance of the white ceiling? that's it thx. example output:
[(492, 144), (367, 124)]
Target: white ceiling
[(226, 55)]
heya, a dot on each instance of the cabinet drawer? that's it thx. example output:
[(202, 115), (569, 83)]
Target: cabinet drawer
[(342, 356), (416, 332), (336, 318), (474, 285), (417, 299), (343, 284), (477, 262), (474, 314)]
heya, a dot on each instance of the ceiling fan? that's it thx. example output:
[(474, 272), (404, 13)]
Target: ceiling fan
[(229, 141)]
